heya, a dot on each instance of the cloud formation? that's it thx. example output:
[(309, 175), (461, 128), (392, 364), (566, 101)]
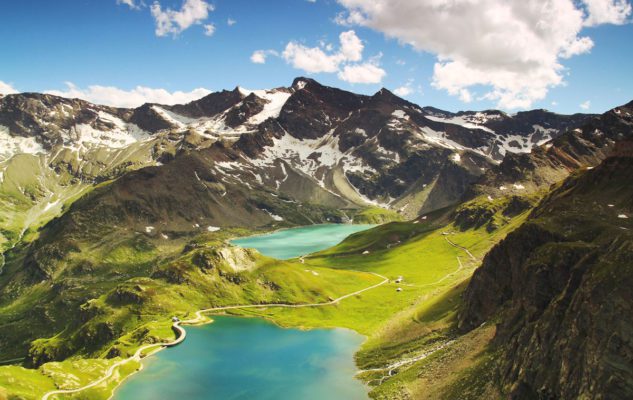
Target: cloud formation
[(404, 90), (173, 22), (112, 96), (362, 73), (209, 29), (260, 56), (607, 12), (6, 88), (513, 48), (346, 61), (131, 3)]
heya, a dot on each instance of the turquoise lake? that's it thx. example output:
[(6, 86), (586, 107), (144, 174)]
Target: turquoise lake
[(250, 358), (295, 242)]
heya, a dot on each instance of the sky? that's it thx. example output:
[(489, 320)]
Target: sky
[(566, 56)]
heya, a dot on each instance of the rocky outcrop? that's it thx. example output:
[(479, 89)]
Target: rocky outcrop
[(586, 145), (209, 105), (560, 287), (147, 118)]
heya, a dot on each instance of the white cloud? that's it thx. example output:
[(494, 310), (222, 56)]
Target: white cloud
[(231, 22), (209, 29), (362, 73), (259, 56), (403, 91), (351, 46), (112, 96), (6, 88), (606, 12), (554, 103), (131, 3), (513, 48), (323, 58), (406, 89), (585, 105), (311, 59), (173, 22)]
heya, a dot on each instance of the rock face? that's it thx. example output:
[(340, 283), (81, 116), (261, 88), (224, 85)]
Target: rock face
[(376, 149), (561, 287), (584, 146)]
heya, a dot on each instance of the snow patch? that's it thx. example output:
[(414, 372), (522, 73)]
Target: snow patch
[(176, 120), (50, 205), (462, 121), (12, 145), (275, 102), (399, 114)]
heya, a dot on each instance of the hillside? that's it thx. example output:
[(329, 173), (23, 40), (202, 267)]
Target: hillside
[(116, 219), (311, 142), (559, 287)]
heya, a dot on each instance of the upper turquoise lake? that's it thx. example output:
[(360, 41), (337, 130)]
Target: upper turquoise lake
[(295, 242), (250, 358)]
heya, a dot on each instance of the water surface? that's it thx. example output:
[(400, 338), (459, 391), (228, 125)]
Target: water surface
[(250, 358), (295, 242)]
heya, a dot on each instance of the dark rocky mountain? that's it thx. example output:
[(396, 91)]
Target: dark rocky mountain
[(561, 283), (376, 149), (586, 145)]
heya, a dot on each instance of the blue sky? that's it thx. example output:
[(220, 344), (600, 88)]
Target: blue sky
[(112, 44)]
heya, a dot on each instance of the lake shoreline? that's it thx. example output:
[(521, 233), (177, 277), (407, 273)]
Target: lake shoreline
[(200, 320), (358, 341)]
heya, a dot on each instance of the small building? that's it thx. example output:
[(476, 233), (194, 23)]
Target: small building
[(399, 289), (399, 280), (175, 319)]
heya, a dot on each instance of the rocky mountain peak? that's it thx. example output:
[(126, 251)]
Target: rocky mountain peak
[(303, 82)]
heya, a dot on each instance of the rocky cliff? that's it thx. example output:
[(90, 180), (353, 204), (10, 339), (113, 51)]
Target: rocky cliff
[(560, 289)]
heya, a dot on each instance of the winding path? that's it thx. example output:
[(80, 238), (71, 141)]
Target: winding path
[(199, 318), (460, 247), (181, 334), (392, 368)]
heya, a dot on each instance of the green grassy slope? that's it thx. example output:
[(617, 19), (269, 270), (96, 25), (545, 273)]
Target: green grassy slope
[(124, 286), (138, 310), (406, 324)]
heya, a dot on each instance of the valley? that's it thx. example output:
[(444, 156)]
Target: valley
[(470, 240)]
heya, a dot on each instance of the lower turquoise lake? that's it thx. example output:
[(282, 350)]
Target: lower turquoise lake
[(250, 358), (295, 242)]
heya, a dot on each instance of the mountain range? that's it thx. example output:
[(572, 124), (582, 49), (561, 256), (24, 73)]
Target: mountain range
[(310, 142), (103, 209)]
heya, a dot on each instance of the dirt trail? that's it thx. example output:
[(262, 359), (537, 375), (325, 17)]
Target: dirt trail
[(182, 333)]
